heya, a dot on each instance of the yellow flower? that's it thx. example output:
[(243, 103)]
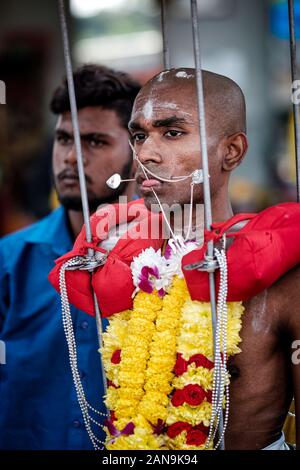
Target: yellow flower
[(195, 375), (190, 414), (149, 337), (111, 398), (179, 442)]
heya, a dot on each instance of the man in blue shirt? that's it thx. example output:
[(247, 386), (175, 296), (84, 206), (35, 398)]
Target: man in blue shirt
[(38, 402)]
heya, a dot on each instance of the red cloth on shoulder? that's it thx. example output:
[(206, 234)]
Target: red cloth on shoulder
[(263, 250), (111, 282)]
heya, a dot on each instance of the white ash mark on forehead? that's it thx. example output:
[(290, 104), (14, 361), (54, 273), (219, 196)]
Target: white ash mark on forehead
[(148, 110), (161, 75), (183, 74), (165, 104), (169, 105)]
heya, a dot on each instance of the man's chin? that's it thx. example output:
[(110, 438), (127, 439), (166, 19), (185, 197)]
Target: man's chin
[(152, 204), (71, 203), (74, 203)]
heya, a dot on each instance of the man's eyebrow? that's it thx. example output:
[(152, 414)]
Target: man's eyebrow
[(167, 122), (94, 135), (170, 121), (134, 126), (84, 136), (61, 132)]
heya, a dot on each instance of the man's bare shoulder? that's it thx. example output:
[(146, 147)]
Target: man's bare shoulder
[(285, 295), (288, 282)]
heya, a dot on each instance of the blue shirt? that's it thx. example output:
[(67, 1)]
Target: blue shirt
[(38, 402)]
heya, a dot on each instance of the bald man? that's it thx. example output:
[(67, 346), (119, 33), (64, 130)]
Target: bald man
[(165, 134), (167, 106)]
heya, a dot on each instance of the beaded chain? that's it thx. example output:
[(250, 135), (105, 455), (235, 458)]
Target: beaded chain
[(69, 333), (220, 382)]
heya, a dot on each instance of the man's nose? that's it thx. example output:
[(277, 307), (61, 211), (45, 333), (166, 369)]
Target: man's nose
[(149, 152), (71, 156)]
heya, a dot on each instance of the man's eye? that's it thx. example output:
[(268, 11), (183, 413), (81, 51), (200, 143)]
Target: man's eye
[(138, 137), (96, 143), (173, 133), (64, 139)]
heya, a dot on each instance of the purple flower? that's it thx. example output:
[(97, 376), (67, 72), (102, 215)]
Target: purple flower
[(127, 430), (147, 278), (168, 251), (161, 292), (159, 428)]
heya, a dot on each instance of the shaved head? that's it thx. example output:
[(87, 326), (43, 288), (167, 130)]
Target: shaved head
[(225, 106), (164, 128)]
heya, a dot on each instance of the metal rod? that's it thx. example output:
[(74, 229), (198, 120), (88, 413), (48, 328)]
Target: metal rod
[(296, 108), (82, 182), (206, 184), (100, 340), (76, 131), (166, 51)]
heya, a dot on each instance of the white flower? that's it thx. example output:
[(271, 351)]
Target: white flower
[(173, 266), (150, 270)]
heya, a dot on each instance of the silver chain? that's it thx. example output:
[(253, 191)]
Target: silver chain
[(220, 386), (71, 264)]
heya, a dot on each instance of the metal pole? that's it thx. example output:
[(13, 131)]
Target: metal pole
[(206, 184), (82, 182), (166, 51), (296, 108), (76, 131)]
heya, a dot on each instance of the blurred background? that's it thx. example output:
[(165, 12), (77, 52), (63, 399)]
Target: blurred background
[(246, 40)]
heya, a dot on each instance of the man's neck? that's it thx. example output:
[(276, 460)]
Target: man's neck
[(76, 222), (221, 211)]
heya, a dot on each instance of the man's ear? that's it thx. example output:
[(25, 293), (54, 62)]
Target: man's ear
[(236, 146)]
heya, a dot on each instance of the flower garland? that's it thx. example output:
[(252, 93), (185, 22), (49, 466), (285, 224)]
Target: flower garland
[(158, 358)]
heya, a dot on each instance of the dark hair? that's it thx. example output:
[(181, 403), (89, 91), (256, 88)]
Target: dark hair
[(97, 85)]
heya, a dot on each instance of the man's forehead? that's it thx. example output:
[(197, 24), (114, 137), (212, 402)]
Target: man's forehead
[(161, 105), (91, 120), (161, 114)]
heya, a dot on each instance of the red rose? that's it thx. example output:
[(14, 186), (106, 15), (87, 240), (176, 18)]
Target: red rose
[(195, 437), (209, 396), (201, 361), (116, 356), (178, 398), (176, 428), (181, 365), (193, 394), (112, 416)]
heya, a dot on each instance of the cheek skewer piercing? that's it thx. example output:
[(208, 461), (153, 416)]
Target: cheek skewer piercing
[(115, 180)]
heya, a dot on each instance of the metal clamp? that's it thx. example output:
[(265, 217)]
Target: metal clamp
[(209, 265), (88, 264)]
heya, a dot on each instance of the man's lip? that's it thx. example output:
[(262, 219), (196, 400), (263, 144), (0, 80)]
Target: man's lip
[(71, 178), (149, 183), (68, 176), (140, 179)]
